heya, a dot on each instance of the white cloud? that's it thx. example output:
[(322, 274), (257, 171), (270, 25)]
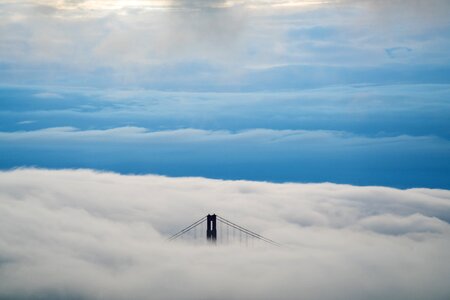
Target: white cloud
[(72, 233)]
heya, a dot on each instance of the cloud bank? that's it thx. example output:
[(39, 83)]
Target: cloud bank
[(87, 235)]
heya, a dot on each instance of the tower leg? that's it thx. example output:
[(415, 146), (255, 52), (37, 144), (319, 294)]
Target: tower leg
[(211, 229)]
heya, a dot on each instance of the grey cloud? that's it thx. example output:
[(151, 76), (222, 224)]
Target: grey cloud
[(61, 33), (399, 225), (199, 3), (132, 39), (81, 234), (407, 16), (426, 9)]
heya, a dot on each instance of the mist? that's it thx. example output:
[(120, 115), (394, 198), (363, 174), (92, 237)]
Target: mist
[(83, 234)]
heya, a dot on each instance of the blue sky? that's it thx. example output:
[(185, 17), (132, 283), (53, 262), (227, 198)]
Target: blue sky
[(352, 92)]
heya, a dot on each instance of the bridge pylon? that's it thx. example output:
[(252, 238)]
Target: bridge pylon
[(243, 234), (211, 228)]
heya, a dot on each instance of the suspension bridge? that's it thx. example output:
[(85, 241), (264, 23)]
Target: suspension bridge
[(215, 229)]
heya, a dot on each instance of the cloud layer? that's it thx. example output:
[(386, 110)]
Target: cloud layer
[(82, 234), (180, 44), (366, 135)]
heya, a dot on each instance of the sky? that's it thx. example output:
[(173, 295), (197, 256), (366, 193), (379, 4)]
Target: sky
[(323, 125), (352, 92)]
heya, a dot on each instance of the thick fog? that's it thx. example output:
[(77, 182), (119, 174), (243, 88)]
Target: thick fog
[(80, 234)]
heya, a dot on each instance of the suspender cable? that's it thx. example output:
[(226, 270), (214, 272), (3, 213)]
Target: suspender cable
[(246, 231)]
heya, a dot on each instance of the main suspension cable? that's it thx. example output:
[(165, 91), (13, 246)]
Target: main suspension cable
[(181, 232)]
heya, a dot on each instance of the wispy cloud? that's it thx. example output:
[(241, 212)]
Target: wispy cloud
[(25, 122), (263, 154), (198, 135)]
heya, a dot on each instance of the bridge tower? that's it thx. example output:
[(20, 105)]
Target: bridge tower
[(211, 229)]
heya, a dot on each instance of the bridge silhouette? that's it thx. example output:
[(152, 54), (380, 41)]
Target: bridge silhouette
[(215, 229)]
